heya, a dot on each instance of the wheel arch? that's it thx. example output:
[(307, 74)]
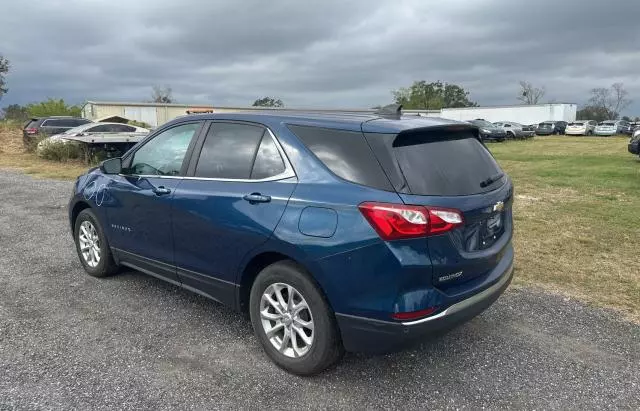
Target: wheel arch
[(75, 211), (260, 260)]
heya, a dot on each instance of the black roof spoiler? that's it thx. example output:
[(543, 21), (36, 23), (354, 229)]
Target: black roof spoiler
[(391, 111)]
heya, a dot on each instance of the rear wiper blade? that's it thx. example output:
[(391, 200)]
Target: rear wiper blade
[(491, 180)]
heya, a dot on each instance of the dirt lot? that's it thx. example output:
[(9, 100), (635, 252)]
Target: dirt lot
[(70, 341)]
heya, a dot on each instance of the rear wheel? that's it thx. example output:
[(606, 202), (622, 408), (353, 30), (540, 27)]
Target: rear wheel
[(292, 320)]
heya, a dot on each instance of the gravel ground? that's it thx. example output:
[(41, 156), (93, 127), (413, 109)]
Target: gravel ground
[(71, 341)]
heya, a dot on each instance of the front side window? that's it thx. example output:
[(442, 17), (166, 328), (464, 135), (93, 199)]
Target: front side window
[(229, 151), (164, 154)]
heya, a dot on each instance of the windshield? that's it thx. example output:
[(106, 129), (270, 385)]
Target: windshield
[(607, 123), (482, 123), (78, 129), (546, 124)]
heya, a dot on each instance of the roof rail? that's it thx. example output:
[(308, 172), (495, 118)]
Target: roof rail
[(392, 111)]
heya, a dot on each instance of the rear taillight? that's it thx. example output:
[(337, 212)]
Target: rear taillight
[(399, 221), (31, 130)]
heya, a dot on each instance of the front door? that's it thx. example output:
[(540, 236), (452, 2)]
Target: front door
[(229, 204), (139, 210)]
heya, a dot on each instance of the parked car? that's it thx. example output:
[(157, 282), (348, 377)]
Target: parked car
[(634, 143), (488, 131), (38, 127), (323, 227), (612, 127), (93, 129), (515, 130), (551, 127), (580, 128)]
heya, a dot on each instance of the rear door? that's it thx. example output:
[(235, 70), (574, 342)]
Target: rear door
[(453, 169), (237, 188)]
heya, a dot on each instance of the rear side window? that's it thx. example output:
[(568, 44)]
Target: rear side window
[(229, 150), (268, 160), (345, 153), (454, 166)]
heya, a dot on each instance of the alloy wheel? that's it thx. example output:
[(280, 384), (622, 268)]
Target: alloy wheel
[(287, 320), (89, 243)]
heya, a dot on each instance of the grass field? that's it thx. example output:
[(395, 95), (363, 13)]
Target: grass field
[(577, 217), (577, 212), (12, 155)]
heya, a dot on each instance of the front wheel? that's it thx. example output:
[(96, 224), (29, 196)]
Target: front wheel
[(92, 246), (293, 321)]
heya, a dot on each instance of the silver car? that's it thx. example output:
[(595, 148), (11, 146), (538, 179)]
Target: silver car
[(95, 129), (580, 128), (515, 130), (612, 127)]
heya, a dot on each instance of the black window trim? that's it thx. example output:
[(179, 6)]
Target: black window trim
[(128, 157), (288, 172)]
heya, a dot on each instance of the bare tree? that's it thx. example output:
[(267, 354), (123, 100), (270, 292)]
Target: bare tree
[(610, 100), (530, 94), (619, 97), (4, 69), (162, 95)]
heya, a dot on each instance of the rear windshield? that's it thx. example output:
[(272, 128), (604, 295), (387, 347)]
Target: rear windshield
[(33, 123), (450, 167), (576, 124), (607, 123), (546, 124)]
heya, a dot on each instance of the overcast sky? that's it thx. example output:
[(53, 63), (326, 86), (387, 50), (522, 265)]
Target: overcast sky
[(346, 54)]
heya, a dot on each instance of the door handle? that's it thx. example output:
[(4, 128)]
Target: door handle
[(254, 198), (160, 191)]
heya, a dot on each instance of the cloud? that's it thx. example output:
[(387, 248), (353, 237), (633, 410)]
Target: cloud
[(326, 54)]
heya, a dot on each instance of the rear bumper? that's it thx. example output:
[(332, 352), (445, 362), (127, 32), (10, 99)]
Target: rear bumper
[(605, 132), (374, 336), (544, 132)]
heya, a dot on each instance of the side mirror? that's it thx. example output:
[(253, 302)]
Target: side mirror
[(111, 166)]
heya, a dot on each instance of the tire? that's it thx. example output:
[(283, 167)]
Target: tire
[(325, 348), (88, 227)]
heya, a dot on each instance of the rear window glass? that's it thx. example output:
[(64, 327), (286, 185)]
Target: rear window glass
[(345, 153), (32, 123), (64, 122), (451, 167), (576, 124)]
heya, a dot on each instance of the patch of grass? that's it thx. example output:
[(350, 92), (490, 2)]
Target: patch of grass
[(30, 164), (577, 217), (13, 155)]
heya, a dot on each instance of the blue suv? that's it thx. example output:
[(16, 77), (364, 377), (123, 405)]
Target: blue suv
[(333, 231)]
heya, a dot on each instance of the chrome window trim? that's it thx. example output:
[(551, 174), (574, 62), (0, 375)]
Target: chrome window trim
[(287, 173)]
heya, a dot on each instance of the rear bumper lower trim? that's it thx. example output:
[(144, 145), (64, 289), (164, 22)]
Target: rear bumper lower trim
[(464, 304)]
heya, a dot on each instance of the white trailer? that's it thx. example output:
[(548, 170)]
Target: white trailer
[(524, 114)]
